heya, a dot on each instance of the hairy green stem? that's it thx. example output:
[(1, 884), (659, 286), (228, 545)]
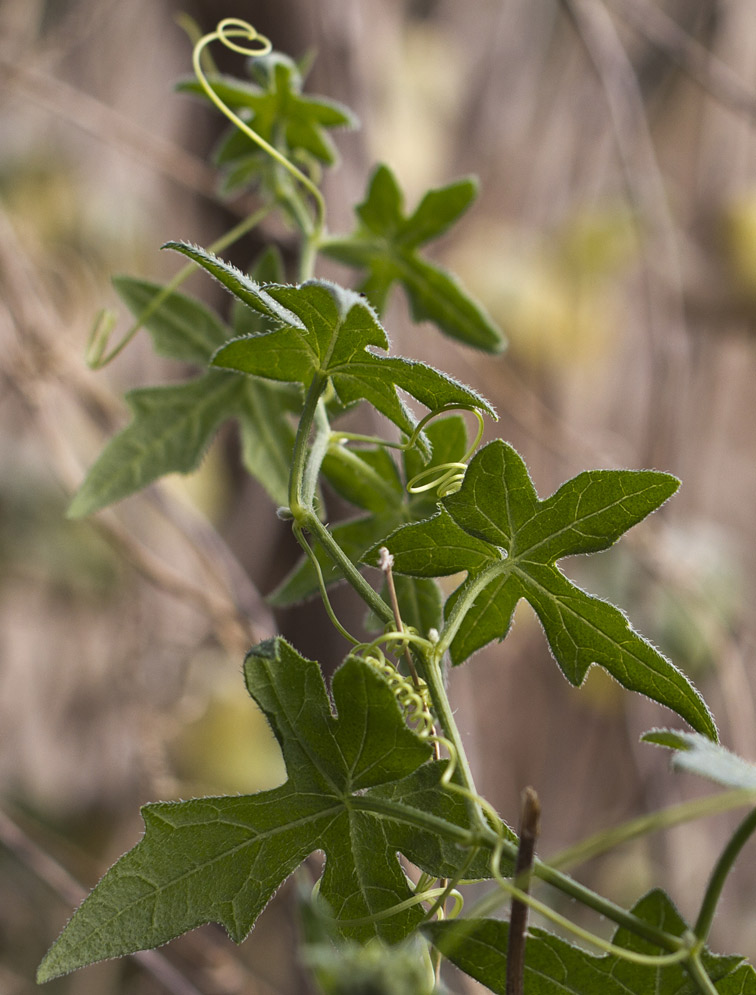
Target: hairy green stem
[(605, 907), (308, 256), (698, 973), (318, 452), (300, 507), (608, 839), (719, 875), (350, 572), (300, 500), (488, 838), (441, 705)]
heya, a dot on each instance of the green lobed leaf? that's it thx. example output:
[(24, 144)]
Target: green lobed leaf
[(170, 430), (386, 242), (328, 331), (268, 268), (172, 427), (698, 755), (276, 108), (555, 967), (181, 327), (221, 859), (243, 287), (508, 541)]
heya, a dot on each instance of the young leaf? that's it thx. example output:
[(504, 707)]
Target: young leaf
[(555, 967), (698, 755), (221, 859), (369, 479), (243, 287), (508, 541), (386, 244), (328, 331), (278, 111)]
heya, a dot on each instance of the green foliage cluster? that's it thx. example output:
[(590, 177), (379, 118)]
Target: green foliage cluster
[(376, 767)]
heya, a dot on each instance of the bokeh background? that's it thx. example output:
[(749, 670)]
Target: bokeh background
[(615, 241)]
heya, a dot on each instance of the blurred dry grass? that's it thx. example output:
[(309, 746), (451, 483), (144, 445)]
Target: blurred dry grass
[(615, 239)]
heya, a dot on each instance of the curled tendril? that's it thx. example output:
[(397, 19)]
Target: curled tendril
[(234, 27), (226, 31), (445, 478), (415, 704), (412, 699)]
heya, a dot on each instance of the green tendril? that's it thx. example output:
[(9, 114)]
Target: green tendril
[(416, 899), (225, 32), (106, 320), (414, 703), (299, 534), (445, 478)]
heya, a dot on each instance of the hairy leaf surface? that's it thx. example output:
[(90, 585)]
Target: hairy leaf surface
[(328, 331), (508, 541), (555, 967), (698, 755), (386, 243), (221, 859)]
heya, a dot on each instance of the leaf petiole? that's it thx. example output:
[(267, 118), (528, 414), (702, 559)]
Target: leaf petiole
[(719, 875)]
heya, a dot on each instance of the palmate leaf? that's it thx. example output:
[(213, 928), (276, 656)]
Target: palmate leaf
[(386, 243), (696, 754), (221, 859), (328, 331), (172, 426), (555, 967), (370, 479), (274, 106), (508, 541)]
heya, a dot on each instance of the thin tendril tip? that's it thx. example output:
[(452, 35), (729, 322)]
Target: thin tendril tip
[(234, 27)]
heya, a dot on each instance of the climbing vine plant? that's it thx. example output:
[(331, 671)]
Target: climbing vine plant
[(378, 779)]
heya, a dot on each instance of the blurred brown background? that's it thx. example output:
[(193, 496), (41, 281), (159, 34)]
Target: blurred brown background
[(615, 241)]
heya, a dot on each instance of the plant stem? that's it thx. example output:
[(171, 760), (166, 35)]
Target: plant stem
[(608, 839), (719, 875), (300, 507), (442, 707), (308, 256), (699, 974), (351, 574), (488, 838), (605, 907)]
